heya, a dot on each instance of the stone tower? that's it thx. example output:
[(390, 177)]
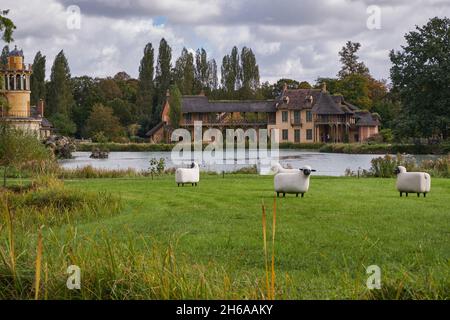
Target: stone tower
[(16, 86)]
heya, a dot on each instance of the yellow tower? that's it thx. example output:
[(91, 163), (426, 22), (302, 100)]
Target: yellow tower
[(16, 86)]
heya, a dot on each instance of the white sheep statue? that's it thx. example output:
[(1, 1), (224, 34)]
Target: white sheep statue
[(277, 168), (290, 182), (188, 175), (412, 182)]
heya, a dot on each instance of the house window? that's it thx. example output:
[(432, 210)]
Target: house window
[(284, 134), (297, 135), (309, 134), (284, 116), (188, 117), (296, 116), (308, 116)]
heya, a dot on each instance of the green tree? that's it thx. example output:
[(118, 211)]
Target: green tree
[(60, 96), (102, 119), (63, 124), (231, 71), (249, 73), (146, 87), (4, 57), (420, 75), (7, 27), (355, 89), (163, 76), (201, 70), (304, 85), (184, 72), (350, 61), (175, 107), (18, 147), (38, 79), (86, 93), (109, 89), (123, 110)]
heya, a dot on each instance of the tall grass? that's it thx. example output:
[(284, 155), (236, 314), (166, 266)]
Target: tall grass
[(270, 285), (384, 167)]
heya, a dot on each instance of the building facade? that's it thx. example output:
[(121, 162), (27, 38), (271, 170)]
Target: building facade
[(15, 89), (300, 115)]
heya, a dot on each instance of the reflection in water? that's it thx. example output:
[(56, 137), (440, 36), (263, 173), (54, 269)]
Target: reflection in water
[(329, 164)]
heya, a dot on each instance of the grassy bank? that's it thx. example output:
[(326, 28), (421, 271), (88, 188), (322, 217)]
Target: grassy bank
[(206, 241), (351, 148)]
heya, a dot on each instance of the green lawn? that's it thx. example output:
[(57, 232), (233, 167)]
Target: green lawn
[(323, 241)]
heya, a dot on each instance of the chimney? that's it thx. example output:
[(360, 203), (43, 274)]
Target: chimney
[(40, 108), (285, 87), (324, 87), (202, 93)]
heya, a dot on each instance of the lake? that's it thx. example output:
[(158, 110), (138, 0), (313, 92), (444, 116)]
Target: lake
[(328, 164)]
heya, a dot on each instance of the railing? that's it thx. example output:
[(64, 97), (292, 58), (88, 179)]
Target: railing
[(227, 123), (14, 114)]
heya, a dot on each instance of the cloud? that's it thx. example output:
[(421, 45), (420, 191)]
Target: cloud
[(291, 38)]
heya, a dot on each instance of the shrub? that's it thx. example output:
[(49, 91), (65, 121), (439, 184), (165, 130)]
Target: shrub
[(384, 167)]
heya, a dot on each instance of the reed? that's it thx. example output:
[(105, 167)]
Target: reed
[(37, 282), (270, 284)]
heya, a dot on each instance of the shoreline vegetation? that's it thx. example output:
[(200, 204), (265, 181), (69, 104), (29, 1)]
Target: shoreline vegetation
[(348, 148)]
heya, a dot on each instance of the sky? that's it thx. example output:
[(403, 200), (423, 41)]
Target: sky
[(297, 39)]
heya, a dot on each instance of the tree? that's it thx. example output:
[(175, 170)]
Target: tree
[(63, 124), (201, 69), (109, 89), (38, 79), (249, 73), (123, 110), (355, 89), (163, 75), (4, 56), (86, 93), (102, 119), (146, 88), (184, 72), (175, 107), (18, 147), (60, 97), (420, 75), (304, 85), (349, 60), (7, 27), (231, 71)]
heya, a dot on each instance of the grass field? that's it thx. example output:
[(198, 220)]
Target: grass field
[(324, 242)]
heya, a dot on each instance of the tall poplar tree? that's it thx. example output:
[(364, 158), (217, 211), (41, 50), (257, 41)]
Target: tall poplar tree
[(249, 72), (59, 96), (163, 75), (201, 69), (146, 88), (38, 79), (184, 72)]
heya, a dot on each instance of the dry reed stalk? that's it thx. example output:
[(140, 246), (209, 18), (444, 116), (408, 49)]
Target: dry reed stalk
[(37, 278), (273, 247), (266, 260)]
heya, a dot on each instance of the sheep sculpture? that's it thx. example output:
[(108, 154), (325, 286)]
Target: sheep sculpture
[(277, 168), (412, 182), (188, 175), (294, 183)]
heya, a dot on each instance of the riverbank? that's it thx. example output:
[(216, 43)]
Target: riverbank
[(348, 148)]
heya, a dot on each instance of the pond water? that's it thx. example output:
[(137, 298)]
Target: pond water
[(328, 164)]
